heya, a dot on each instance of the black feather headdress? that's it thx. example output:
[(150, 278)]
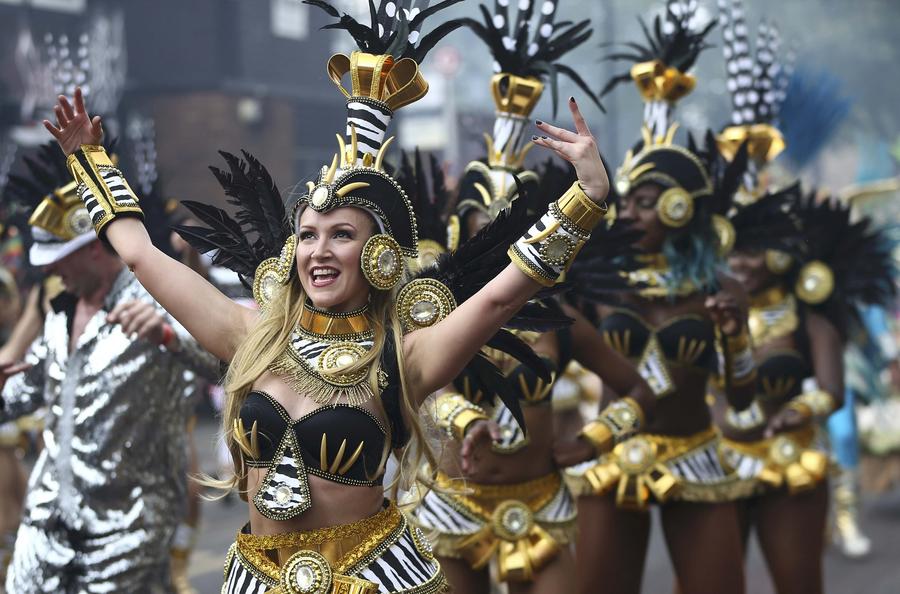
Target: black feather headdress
[(757, 82), (527, 49), (431, 200), (661, 64), (394, 27)]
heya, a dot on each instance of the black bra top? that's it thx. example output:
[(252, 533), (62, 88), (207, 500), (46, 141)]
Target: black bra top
[(780, 374), (687, 340), (339, 442)]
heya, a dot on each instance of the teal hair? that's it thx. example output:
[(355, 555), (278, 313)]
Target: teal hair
[(693, 254)]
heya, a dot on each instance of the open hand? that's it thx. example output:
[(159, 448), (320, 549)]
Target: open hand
[(478, 439), (75, 126), (139, 319), (580, 149)]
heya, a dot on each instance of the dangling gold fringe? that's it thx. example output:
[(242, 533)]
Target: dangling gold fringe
[(313, 385)]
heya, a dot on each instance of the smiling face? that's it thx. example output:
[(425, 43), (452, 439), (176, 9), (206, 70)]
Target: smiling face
[(329, 246), (749, 268), (638, 208)]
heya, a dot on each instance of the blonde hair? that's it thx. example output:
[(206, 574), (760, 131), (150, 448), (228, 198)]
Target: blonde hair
[(266, 341)]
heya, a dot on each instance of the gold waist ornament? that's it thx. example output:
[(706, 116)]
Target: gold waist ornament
[(789, 460), (637, 468), (510, 532), (315, 561)]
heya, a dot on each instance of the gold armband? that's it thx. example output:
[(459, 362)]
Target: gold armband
[(817, 403), (616, 423), (101, 186), (737, 366), (581, 212), (453, 413), (547, 250)]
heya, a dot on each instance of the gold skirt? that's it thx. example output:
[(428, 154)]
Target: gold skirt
[(657, 468), (521, 526), (795, 460), (382, 553)]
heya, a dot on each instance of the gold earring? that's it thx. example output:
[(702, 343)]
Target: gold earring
[(273, 272), (382, 261), (778, 262), (675, 207)]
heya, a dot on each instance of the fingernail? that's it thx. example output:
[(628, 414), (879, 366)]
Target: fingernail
[(534, 138), (539, 123), (545, 137), (572, 99)]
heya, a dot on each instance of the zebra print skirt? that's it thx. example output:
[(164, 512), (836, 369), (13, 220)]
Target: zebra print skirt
[(796, 460), (381, 554), (652, 468), (481, 523)]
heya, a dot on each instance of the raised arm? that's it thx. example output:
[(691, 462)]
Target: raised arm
[(215, 321), (436, 355)]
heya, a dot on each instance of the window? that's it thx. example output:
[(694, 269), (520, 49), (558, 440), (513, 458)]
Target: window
[(290, 19)]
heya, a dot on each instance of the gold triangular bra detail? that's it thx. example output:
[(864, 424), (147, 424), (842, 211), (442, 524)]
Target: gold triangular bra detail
[(308, 358)]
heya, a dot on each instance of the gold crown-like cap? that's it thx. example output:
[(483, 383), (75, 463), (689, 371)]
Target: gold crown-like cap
[(62, 214), (394, 83), (516, 95), (657, 82), (764, 142)]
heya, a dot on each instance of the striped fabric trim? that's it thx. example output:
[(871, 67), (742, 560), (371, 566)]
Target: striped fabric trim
[(402, 567), (509, 134), (371, 121), (512, 439)]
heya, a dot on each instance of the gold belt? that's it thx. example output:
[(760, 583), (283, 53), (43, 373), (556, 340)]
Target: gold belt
[(314, 561), (637, 467), (789, 459), (510, 531)]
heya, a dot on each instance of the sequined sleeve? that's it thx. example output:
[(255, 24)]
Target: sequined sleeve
[(193, 357), (24, 393)]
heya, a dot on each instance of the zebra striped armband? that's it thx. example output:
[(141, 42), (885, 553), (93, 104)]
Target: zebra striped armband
[(549, 247), (616, 423), (453, 413), (101, 187), (737, 366)]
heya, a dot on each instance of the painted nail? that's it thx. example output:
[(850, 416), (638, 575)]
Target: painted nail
[(534, 138), (545, 137), (572, 99), (539, 123)]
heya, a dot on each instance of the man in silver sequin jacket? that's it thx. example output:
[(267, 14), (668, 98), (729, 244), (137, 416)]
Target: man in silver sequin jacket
[(108, 489)]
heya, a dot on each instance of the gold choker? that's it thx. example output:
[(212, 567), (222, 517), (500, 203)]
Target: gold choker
[(326, 323)]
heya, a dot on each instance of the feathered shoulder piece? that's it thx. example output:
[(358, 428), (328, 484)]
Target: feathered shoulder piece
[(256, 233), (845, 263), (438, 289), (661, 63), (757, 82)]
